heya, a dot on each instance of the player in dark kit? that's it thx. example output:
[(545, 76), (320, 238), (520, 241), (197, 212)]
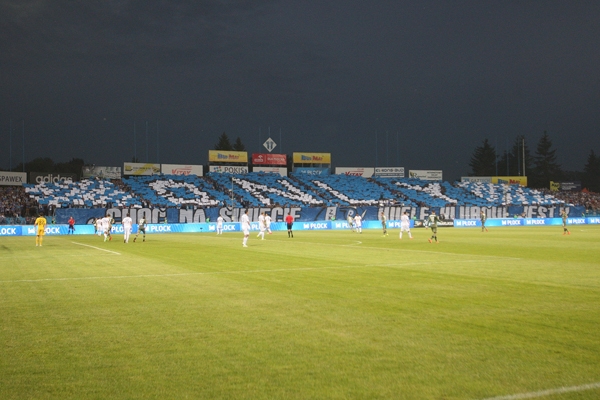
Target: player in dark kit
[(433, 221), (289, 220), (564, 216), (71, 226), (141, 229), (483, 217), (384, 224)]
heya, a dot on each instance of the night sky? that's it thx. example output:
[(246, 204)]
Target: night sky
[(417, 84)]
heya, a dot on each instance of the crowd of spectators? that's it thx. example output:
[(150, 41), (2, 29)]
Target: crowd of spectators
[(590, 200), (15, 206)]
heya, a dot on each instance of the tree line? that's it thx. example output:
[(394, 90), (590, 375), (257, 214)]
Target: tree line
[(540, 168)]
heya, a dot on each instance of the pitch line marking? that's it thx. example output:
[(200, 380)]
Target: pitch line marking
[(355, 243), (549, 392), (84, 278), (97, 248)]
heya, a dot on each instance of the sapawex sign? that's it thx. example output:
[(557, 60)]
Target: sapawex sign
[(13, 178)]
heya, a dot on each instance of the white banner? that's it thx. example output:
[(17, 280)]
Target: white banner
[(390, 172), (481, 179), (141, 169), (425, 174), (277, 170), (180, 169), (365, 172), (13, 178), (101, 172), (229, 169)]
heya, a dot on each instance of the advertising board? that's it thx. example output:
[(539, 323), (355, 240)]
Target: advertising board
[(476, 179), (510, 180), (365, 172), (182, 169), (269, 159), (88, 171), (569, 186), (51, 177), (312, 171), (425, 174), (228, 169), (312, 158), (390, 172), (13, 178), (275, 170), (223, 156), (141, 169)]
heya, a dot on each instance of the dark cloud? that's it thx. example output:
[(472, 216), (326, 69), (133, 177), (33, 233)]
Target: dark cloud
[(418, 84)]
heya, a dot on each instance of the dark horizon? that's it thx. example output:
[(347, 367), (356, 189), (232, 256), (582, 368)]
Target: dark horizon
[(439, 78)]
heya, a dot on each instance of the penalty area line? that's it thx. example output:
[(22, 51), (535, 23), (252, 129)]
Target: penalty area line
[(549, 392), (97, 248)]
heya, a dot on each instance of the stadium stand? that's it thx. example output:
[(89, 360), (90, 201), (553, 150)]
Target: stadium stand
[(175, 191), (268, 189), (85, 193), (344, 189), (260, 189), (498, 195)]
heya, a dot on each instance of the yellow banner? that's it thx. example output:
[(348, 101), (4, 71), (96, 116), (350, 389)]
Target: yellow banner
[(554, 186), (312, 158), (140, 169), (227, 156), (510, 180)]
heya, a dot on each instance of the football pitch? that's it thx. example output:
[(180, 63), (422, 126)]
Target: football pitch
[(513, 313)]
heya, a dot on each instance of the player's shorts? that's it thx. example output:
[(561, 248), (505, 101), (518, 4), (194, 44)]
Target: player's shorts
[(143, 230), (289, 225), (41, 231), (246, 232), (405, 227)]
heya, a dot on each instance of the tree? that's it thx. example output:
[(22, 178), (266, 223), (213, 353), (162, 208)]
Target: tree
[(591, 173), (483, 161), (238, 145), (223, 143), (40, 164), (546, 167), (511, 162), (74, 166)]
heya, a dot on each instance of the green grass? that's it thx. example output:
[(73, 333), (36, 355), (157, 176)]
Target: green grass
[(324, 315)]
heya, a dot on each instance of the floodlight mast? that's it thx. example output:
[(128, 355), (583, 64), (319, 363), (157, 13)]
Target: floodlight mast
[(232, 194), (524, 174)]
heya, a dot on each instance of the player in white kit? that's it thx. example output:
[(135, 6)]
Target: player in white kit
[(405, 224), (219, 225), (358, 223), (107, 222), (245, 220), (127, 225), (262, 226), (268, 223), (99, 226)]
